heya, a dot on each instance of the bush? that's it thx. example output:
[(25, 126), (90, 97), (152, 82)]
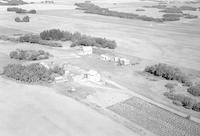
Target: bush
[(32, 11), (17, 19), (32, 73), (171, 17), (26, 19), (196, 107), (140, 9), (194, 90), (186, 101), (58, 70), (188, 8), (172, 10), (170, 86), (20, 10), (168, 72), (188, 16), (29, 54), (177, 103)]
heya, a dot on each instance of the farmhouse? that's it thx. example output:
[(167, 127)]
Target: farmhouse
[(124, 61), (86, 50), (106, 57), (93, 75)]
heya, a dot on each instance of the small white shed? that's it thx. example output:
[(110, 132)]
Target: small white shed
[(93, 75), (86, 50)]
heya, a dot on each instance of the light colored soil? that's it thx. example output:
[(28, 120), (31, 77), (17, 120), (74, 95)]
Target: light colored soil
[(36, 110)]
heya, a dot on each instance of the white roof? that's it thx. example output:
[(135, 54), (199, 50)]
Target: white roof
[(92, 72)]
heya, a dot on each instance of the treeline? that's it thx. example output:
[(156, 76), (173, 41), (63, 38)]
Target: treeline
[(13, 2), (20, 10), (77, 39), (33, 73), (24, 19), (91, 8), (169, 73), (29, 54), (30, 38), (182, 100)]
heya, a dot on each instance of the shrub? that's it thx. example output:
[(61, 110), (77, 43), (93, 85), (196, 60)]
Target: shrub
[(171, 17), (188, 16), (32, 73), (177, 103), (186, 101), (170, 86), (168, 72), (171, 10), (11, 9), (20, 10), (188, 8), (194, 90), (58, 70), (17, 19), (29, 54), (26, 19), (32, 11), (140, 9), (196, 107)]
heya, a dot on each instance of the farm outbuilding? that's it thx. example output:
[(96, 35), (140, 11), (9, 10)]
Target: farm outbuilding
[(86, 50), (124, 61), (93, 75)]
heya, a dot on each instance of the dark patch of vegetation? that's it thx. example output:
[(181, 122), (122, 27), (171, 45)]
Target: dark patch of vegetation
[(140, 9), (13, 2), (157, 6), (77, 39), (7, 38), (177, 103), (32, 73), (37, 40), (57, 70), (169, 73), (29, 54), (20, 10), (171, 10), (170, 86), (196, 107), (188, 8), (171, 17), (53, 34), (189, 16), (186, 101), (91, 8), (194, 90), (24, 19)]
